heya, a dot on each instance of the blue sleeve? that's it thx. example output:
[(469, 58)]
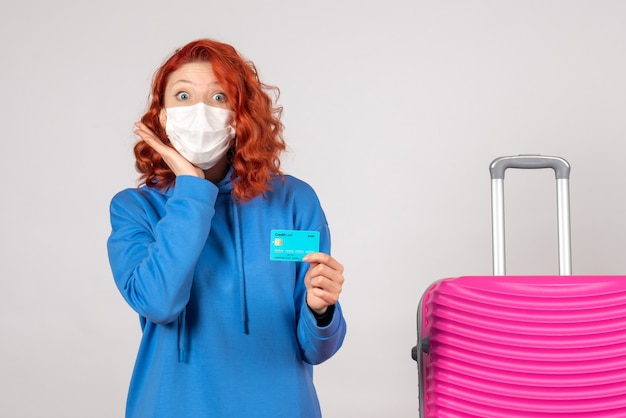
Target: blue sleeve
[(320, 343), (155, 243), (317, 344)]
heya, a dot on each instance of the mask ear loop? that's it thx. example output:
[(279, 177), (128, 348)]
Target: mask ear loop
[(163, 120), (235, 145)]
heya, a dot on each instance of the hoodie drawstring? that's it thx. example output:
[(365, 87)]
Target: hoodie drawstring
[(182, 336)]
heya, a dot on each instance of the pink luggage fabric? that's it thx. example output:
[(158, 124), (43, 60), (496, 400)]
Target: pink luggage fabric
[(523, 346)]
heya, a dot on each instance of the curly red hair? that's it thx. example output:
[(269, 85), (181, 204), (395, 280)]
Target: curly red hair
[(258, 140)]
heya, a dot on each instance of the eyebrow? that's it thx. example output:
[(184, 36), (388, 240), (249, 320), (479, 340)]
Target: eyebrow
[(182, 81)]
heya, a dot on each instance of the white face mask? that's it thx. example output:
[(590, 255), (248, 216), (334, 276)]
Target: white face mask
[(200, 133)]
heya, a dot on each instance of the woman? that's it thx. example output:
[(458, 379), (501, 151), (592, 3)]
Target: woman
[(227, 331)]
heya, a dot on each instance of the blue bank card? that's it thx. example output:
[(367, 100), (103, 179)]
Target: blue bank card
[(290, 245)]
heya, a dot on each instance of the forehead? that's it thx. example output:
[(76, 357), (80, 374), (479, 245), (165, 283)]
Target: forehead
[(197, 73)]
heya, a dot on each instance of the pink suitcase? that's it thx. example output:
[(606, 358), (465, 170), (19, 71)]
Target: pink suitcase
[(523, 346)]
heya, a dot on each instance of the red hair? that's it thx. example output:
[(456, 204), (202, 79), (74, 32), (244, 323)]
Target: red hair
[(258, 140)]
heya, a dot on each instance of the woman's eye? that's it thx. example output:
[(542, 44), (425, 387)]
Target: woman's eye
[(183, 95), (219, 97)]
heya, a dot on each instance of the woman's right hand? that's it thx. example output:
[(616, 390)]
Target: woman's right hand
[(176, 162)]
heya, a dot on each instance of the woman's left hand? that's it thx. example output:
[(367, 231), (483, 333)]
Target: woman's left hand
[(323, 280), (176, 162)]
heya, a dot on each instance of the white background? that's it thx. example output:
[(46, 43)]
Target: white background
[(393, 111)]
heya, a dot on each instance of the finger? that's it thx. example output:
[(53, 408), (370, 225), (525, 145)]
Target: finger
[(321, 271), (142, 130), (148, 136), (144, 133), (156, 144), (325, 289), (324, 296), (323, 258), (327, 293), (144, 127)]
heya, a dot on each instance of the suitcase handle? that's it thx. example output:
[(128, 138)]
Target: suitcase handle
[(559, 165), (562, 170)]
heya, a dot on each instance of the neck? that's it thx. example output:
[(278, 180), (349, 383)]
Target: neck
[(217, 173)]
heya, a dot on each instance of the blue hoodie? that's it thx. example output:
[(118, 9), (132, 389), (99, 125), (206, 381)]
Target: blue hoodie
[(226, 331)]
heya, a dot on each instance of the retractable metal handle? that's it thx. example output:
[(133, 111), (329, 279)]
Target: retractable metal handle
[(561, 169)]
